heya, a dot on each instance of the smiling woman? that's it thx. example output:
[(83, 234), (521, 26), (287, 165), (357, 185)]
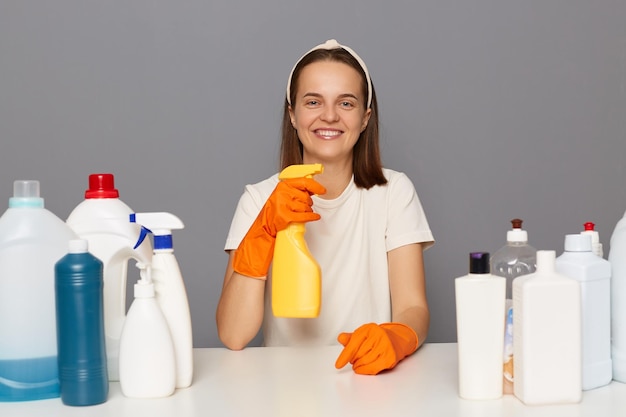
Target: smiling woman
[(366, 229)]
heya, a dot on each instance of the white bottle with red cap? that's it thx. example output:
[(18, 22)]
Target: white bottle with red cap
[(102, 220)]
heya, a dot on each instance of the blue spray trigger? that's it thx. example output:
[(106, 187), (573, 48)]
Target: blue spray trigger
[(142, 236)]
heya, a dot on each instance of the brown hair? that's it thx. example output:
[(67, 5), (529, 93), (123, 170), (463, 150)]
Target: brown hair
[(366, 161)]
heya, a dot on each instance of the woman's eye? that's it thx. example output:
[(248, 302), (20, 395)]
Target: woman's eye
[(312, 103), (346, 104)]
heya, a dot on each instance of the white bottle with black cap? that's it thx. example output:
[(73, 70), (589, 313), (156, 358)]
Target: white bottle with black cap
[(480, 306), (594, 274)]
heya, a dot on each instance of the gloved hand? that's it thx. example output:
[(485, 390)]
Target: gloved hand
[(373, 348), (289, 202)]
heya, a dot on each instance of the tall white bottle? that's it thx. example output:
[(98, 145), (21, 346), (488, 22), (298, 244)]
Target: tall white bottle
[(547, 335), (147, 363), (480, 306), (594, 274), (617, 258), (170, 289), (102, 219)]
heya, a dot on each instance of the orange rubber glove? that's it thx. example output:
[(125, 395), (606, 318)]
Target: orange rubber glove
[(372, 348), (289, 202)]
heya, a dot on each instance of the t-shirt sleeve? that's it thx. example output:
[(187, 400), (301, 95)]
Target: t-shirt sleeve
[(248, 208), (407, 221)]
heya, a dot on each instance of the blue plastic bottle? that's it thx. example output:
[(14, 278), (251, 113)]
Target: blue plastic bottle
[(80, 327)]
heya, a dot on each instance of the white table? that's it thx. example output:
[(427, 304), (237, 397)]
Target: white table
[(293, 382)]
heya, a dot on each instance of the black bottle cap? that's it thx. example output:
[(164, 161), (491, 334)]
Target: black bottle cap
[(479, 263)]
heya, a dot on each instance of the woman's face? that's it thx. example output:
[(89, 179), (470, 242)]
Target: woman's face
[(329, 112)]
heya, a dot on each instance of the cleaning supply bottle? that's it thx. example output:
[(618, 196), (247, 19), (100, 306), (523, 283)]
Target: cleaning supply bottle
[(32, 240), (102, 219), (512, 260), (170, 290), (480, 305), (547, 335), (594, 274), (80, 327), (596, 246), (296, 276), (147, 360), (617, 258)]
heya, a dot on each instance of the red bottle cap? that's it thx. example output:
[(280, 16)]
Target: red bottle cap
[(101, 186), (589, 226)]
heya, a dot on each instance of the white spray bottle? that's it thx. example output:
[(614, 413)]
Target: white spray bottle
[(147, 363), (170, 289), (102, 219)]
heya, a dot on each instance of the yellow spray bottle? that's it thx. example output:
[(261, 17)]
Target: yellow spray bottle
[(296, 276)]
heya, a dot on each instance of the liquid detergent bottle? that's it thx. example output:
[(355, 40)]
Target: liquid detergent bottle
[(512, 260), (594, 274), (596, 246), (147, 360), (32, 240), (102, 220), (170, 290), (547, 335), (480, 303), (296, 276), (617, 258), (80, 327)]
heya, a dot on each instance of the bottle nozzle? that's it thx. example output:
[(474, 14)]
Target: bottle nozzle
[(300, 171), (589, 226), (516, 223)]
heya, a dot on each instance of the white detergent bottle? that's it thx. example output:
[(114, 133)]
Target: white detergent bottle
[(147, 363), (102, 219), (596, 245), (480, 302), (617, 258), (547, 335), (170, 289), (32, 240), (594, 274)]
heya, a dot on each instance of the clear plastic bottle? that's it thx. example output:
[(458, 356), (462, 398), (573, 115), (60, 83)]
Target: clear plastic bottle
[(515, 258), (32, 240), (479, 298), (512, 260), (80, 327), (594, 274)]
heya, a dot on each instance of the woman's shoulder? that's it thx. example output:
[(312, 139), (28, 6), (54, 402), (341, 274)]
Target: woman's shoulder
[(397, 179)]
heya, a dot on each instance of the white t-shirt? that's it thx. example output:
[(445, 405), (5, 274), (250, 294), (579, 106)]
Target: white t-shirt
[(350, 243)]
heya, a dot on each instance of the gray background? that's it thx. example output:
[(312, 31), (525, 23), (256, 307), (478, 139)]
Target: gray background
[(494, 109)]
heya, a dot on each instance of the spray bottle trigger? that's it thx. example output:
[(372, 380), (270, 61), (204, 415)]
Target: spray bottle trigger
[(142, 236)]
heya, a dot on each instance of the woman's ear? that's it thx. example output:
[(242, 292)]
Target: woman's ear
[(366, 119)]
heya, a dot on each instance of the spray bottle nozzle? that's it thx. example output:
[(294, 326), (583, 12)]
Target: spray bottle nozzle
[(589, 226), (160, 224), (300, 171)]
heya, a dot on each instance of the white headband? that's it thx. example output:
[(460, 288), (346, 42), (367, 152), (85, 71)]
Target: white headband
[(329, 45)]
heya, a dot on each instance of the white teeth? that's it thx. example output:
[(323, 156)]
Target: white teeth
[(328, 133)]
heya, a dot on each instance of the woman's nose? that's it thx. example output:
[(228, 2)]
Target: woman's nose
[(330, 114)]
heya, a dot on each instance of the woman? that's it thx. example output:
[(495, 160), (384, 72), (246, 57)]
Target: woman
[(367, 232)]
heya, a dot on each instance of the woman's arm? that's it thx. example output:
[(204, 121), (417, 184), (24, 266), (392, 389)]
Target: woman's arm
[(240, 308), (408, 289)]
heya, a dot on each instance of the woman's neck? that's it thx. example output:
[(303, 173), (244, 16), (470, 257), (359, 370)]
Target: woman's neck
[(335, 179)]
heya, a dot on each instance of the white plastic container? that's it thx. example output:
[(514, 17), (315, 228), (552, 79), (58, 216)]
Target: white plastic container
[(480, 307), (32, 240), (512, 260), (170, 289), (147, 360), (102, 220), (547, 335), (617, 258), (594, 274)]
